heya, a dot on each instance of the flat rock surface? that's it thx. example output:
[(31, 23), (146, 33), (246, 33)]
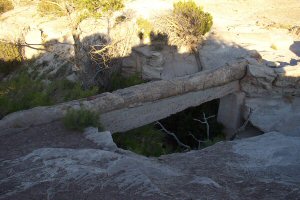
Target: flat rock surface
[(240, 26), (48, 162), (276, 114)]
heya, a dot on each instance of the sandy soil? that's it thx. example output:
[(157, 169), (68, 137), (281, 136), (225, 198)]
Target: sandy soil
[(261, 25)]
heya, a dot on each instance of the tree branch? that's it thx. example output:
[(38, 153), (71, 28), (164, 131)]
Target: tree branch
[(174, 136), (243, 127), (199, 141), (205, 121)]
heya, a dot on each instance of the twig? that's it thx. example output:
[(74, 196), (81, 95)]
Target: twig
[(243, 127), (174, 136), (199, 141), (205, 121)]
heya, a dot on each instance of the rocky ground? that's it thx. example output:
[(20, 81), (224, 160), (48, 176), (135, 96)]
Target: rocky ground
[(48, 162)]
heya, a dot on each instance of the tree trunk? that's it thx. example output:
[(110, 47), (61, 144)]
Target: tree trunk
[(81, 57), (198, 60), (77, 51)]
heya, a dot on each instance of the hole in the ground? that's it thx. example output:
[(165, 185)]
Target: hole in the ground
[(189, 127)]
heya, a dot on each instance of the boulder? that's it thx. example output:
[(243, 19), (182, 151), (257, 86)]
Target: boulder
[(102, 139), (275, 114), (262, 80)]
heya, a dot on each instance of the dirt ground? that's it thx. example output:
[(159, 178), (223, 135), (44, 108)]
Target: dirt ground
[(262, 25)]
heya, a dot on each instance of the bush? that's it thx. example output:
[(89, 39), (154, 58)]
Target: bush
[(119, 82), (22, 93), (5, 5), (191, 23), (109, 6), (51, 7), (10, 57), (65, 90), (80, 119), (90, 7), (186, 26)]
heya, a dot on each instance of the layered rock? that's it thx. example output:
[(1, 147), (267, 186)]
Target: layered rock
[(262, 80)]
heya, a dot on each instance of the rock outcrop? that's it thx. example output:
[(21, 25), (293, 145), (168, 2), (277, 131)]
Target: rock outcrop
[(264, 167), (272, 95), (136, 96), (262, 80)]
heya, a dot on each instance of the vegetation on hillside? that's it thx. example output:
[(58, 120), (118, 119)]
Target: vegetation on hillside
[(186, 26), (22, 93), (76, 11), (80, 119), (10, 57), (118, 81), (87, 8), (5, 5), (52, 7)]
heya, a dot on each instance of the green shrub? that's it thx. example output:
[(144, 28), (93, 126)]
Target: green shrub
[(80, 119), (5, 5), (196, 21), (119, 82), (145, 140), (10, 57), (65, 90), (189, 24), (21, 93), (90, 7), (186, 26)]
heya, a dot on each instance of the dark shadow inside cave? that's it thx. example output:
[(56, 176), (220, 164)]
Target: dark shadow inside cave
[(153, 140)]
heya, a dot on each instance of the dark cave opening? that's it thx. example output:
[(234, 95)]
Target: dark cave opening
[(188, 127)]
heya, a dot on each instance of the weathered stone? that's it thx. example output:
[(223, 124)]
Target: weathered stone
[(142, 114), (275, 114), (132, 96), (261, 71), (265, 81), (102, 139), (269, 163), (272, 64), (151, 73), (72, 77), (255, 54), (230, 112), (156, 60)]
